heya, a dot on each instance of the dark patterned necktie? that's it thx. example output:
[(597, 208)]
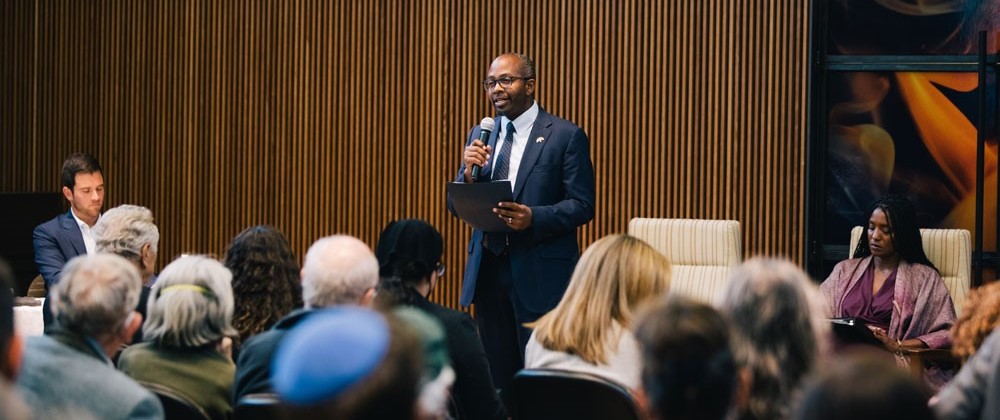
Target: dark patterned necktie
[(496, 242)]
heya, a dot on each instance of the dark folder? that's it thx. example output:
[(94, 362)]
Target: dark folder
[(854, 331), (474, 203)]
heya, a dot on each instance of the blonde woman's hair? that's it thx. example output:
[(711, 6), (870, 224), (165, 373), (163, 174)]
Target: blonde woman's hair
[(612, 279)]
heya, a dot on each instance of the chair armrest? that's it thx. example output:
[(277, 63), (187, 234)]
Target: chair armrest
[(917, 357)]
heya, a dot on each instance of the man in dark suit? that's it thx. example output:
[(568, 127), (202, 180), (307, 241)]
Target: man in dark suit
[(517, 277), (68, 235)]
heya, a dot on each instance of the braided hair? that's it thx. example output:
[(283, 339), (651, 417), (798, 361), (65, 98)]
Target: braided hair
[(905, 233)]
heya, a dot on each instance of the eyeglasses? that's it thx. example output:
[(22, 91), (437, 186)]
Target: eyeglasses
[(504, 82), (439, 268)]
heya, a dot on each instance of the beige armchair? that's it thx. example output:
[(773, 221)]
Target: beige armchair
[(950, 250), (702, 252)]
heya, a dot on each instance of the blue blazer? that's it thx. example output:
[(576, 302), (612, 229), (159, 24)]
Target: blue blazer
[(56, 242), (555, 179)]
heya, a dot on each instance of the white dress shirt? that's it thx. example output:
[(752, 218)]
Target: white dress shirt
[(522, 129), (88, 235)]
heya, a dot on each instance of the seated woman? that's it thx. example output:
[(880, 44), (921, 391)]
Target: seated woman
[(893, 287), (409, 254), (266, 284), (188, 332), (589, 331)]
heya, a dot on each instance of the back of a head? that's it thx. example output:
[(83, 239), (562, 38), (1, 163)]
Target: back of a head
[(266, 284), (614, 276), (338, 270), (408, 249), (124, 230), (96, 294), (408, 252), (349, 362), (979, 318), (688, 367), (78, 163), (865, 387), (780, 329), (191, 304)]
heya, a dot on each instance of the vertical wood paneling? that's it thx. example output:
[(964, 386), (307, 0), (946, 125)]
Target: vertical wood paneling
[(322, 117)]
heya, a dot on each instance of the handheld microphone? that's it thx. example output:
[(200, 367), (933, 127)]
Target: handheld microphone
[(485, 128)]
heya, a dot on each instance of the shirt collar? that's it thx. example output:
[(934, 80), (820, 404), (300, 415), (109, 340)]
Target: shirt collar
[(523, 122), (79, 222)]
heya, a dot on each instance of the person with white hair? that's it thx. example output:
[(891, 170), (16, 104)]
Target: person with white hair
[(69, 369), (188, 335), (128, 231), (338, 270)]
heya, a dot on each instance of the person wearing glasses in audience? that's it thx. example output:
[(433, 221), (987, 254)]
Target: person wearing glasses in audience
[(409, 254), (893, 287), (514, 278), (189, 335)]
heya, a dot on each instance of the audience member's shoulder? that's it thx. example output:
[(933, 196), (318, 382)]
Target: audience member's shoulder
[(271, 337)]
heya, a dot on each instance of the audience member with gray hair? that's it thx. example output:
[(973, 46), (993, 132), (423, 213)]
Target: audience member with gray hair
[(70, 367), (338, 270), (188, 335), (780, 332), (128, 231)]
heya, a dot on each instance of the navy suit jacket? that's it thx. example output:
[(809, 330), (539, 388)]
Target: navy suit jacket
[(555, 179), (56, 242)]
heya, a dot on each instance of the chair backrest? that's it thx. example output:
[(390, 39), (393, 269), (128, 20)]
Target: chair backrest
[(175, 405), (555, 394), (258, 407), (950, 250), (701, 252)]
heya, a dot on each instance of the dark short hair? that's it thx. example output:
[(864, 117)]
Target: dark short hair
[(6, 312), (905, 232), (78, 163), (689, 371), (407, 251), (865, 386)]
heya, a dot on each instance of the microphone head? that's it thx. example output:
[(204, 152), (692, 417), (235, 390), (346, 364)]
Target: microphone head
[(487, 124)]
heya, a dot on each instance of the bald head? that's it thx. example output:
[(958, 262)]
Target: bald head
[(338, 270)]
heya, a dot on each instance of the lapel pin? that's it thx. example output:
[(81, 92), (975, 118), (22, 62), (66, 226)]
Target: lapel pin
[(540, 139)]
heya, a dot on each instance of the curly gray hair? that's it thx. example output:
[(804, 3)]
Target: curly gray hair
[(124, 230)]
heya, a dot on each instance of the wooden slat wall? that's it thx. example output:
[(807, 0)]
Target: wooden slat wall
[(337, 116)]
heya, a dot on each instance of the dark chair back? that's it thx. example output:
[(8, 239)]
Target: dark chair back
[(555, 394), (258, 407), (175, 405)]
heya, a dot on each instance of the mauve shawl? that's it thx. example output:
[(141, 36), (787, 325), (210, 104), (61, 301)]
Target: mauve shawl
[(923, 307)]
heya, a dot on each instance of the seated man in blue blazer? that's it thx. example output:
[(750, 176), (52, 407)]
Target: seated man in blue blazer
[(515, 278), (68, 235)]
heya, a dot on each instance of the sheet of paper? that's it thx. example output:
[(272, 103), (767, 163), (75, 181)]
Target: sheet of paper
[(474, 203)]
